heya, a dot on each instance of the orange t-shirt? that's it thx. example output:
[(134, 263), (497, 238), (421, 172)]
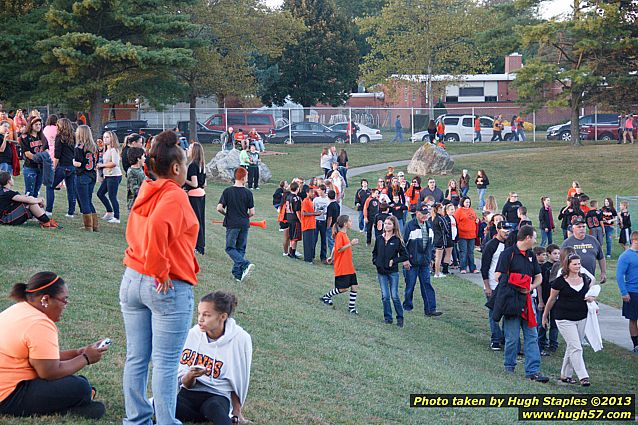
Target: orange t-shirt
[(466, 223), (477, 125), (25, 332), (308, 222), (343, 260)]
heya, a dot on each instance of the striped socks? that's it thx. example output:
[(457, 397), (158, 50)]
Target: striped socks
[(332, 293), (352, 305)]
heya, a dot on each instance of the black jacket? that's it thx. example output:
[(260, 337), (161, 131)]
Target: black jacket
[(360, 198), (544, 220), (384, 251), (509, 211)]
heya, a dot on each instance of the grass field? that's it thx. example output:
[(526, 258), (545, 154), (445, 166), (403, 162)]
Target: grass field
[(313, 364)]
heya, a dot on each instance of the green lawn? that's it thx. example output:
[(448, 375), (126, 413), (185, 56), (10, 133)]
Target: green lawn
[(313, 364)]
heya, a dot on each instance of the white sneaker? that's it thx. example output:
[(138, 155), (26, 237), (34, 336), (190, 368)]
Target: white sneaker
[(107, 216), (247, 272), (114, 220), (299, 254), (69, 215), (285, 254), (437, 275), (49, 214)]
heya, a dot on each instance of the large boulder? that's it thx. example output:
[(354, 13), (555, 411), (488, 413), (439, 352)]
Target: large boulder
[(430, 159), (222, 167)]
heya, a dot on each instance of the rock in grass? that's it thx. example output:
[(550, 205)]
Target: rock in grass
[(430, 159), (222, 167)]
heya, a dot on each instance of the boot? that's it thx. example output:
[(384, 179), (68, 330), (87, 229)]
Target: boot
[(95, 222), (86, 218), (446, 269)]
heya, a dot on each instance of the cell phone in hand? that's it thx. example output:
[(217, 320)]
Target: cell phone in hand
[(104, 343), (198, 367)]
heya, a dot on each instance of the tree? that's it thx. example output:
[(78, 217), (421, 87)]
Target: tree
[(576, 56), (120, 50), (422, 37), (227, 38), (322, 66)]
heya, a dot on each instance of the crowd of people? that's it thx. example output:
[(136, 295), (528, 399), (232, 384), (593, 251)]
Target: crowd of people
[(201, 373)]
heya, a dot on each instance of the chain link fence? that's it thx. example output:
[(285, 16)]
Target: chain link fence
[(375, 124)]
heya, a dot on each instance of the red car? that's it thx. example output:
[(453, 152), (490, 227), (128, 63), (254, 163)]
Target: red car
[(604, 132)]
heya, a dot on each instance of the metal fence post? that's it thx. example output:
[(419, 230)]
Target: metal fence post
[(290, 124), (412, 124), (473, 115), (350, 124), (225, 118), (595, 122), (534, 124)]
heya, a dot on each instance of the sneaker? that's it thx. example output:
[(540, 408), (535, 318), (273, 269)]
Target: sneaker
[(438, 275), (387, 321), (538, 378), (247, 272), (299, 255), (495, 346), (636, 350), (463, 271), (400, 323), (49, 214), (353, 311), (609, 256), (51, 224), (326, 300), (433, 314), (476, 271), (545, 353), (257, 188), (69, 215), (107, 216), (285, 254)]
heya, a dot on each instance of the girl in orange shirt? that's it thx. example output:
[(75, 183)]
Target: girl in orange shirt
[(345, 276)]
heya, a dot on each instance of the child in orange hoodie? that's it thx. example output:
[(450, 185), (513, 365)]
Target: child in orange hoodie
[(156, 294)]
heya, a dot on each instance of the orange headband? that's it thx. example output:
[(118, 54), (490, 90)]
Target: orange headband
[(44, 286)]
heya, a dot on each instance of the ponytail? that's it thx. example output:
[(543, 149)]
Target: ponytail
[(165, 152), (224, 302), (42, 283), (341, 221)]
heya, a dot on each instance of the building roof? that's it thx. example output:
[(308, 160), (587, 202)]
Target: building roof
[(458, 78)]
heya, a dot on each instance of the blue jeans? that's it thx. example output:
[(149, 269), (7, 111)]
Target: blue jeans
[(546, 237), (464, 191), (320, 234), (609, 233), (6, 167), (512, 327), (362, 224), (477, 136), (543, 343), (84, 189), (64, 173), (521, 134), (110, 184), (344, 173), (495, 327), (481, 195), (398, 135), (466, 256), (32, 181), (427, 291), (236, 240), (330, 240), (390, 289), (156, 328)]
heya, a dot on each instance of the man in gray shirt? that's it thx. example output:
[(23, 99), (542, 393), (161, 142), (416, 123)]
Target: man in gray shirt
[(431, 190), (587, 248)]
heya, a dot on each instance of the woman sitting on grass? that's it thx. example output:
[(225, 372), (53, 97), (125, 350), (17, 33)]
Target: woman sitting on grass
[(214, 368), (16, 209), (36, 378)]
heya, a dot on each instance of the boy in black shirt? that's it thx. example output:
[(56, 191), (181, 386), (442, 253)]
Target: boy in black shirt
[(594, 220), (332, 213), (359, 201), (379, 219), (293, 217), (547, 347), (370, 210)]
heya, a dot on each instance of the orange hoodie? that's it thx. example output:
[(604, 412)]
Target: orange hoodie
[(466, 223), (161, 233)]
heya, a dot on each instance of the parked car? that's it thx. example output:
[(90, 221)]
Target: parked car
[(305, 132), (263, 123), (122, 128), (204, 135), (364, 135), (604, 132), (461, 127), (564, 131)]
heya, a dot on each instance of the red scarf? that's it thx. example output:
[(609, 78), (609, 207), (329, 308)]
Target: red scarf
[(15, 161), (525, 282)]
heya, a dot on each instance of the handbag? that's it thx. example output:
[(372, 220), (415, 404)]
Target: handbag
[(508, 302)]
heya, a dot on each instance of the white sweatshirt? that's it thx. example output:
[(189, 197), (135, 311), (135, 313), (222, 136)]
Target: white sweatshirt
[(229, 359)]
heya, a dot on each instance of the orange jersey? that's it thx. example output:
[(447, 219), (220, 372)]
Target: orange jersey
[(308, 222), (342, 260)]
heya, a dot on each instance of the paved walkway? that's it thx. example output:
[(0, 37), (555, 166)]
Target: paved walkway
[(613, 326)]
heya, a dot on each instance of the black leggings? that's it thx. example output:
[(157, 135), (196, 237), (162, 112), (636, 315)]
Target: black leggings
[(199, 203), (200, 406), (41, 397)]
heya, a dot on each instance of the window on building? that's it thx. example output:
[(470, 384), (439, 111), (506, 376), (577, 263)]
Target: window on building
[(451, 99), (470, 91), (490, 98)]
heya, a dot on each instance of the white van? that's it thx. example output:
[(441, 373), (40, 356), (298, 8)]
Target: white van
[(461, 128)]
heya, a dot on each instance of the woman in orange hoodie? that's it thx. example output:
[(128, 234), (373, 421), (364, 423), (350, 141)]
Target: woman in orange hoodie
[(466, 223), (156, 294)]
